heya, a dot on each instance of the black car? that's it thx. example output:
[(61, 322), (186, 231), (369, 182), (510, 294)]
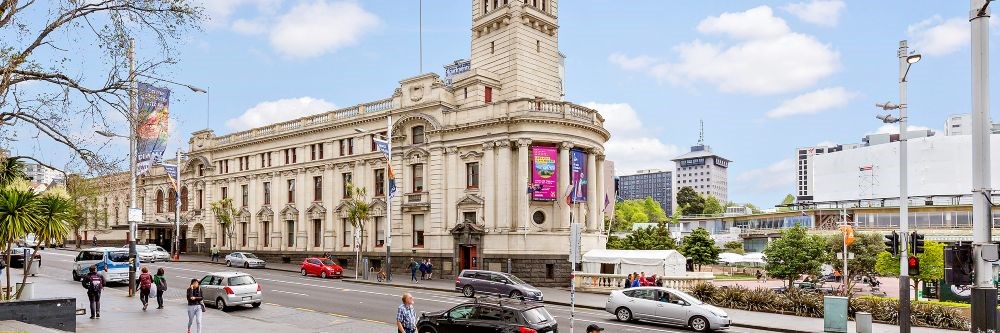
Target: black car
[(492, 315)]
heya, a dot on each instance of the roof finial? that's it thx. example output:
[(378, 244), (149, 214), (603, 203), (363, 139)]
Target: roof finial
[(701, 133)]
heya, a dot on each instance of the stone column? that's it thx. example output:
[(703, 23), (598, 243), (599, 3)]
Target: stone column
[(503, 208), (520, 220), (592, 200), (452, 187), (487, 182), (303, 190), (601, 191), (563, 184)]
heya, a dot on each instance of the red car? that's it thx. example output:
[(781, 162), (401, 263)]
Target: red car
[(323, 268)]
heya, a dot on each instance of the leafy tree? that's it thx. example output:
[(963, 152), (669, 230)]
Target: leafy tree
[(225, 214), (931, 264), (693, 203), (19, 215), (616, 243), (734, 247), (359, 211), (793, 254), (54, 209), (649, 238), (865, 248), (630, 212), (654, 212), (788, 200), (712, 206), (700, 248)]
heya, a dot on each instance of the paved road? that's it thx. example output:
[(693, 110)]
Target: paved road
[(370, 303)]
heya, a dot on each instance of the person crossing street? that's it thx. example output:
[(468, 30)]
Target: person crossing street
[(94, 283), (160, 280), (215, 253), (145, 286)]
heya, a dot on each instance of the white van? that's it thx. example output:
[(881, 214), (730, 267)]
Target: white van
[(111, 262)]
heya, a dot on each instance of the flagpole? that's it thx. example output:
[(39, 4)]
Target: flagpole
[(388, 197), (176, 247)]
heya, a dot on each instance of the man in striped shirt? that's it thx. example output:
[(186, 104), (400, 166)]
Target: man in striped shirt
[(406, 319)]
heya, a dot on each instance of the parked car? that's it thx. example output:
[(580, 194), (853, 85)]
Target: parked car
[(321, 267), (111, 262), (501, 316), (666, 305), (472, 282), (30, 240), (244, 259), (143, 252), (227, 289), (18, 258), (159, 253)]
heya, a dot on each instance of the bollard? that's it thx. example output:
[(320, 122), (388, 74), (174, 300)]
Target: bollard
[(28, 292), (864, 322)]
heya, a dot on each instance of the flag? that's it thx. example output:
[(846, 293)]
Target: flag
[(848, 234), (865, 168), (569, 195), (151, 129), (382, 146), (606, 202), (392, 182), (171, 171)]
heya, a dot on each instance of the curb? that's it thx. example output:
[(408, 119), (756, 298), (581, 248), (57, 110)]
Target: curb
[(223, 264)]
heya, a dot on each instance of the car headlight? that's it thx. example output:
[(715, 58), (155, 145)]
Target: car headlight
[(719, 314)]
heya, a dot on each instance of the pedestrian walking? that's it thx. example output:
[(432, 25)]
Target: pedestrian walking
[(406, 318), (160, 280), (422, 267), (759, 275), (95, 240), (94, 282), (195, 306), (430, 270), (145, 286), (413, 271), (593, 328), (215, 253)]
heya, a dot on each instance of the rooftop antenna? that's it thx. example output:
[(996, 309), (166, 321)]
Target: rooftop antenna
[(701, 132)]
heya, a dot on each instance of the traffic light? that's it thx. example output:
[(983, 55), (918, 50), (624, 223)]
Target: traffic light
[(917, 243), (914, 265), (958, 265), (892, 243)]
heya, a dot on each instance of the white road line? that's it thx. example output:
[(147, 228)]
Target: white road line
[(286, 292)]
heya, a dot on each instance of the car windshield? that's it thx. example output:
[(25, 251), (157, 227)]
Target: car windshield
[(328, 262), (161, 249), (688, 298), (250, 255), (537, 315), (241, 280), (118, 256), (514, 279)]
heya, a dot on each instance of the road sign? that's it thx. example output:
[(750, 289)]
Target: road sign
[(135, 214), (574, 243)]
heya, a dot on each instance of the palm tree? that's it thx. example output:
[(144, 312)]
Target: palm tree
[(358, 214), (225, 214), (19, 215), (54, 209), (11, 170)]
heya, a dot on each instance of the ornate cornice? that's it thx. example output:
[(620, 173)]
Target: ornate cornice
[(471, 155), (488, 146), (451, 151), (345, 165), (566, 145), (522, 143), (502, 144)]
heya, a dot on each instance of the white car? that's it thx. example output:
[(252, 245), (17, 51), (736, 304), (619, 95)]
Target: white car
[(244, 259), (143, 252), (666, 305), (159, 253)]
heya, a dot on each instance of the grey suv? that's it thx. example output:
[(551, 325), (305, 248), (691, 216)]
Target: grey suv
[(470, 282)]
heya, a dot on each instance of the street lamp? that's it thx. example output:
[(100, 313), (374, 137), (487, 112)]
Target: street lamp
[(905, 61), (388, 199)]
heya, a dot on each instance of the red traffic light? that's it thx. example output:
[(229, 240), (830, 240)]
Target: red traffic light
[(912, 261), (913, 265)]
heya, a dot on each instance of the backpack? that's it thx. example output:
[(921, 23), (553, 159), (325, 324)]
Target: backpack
[(145, 281), (161, 282), (95, 282)]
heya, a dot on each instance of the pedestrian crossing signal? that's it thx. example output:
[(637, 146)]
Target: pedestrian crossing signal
[(892, 243), (913, 264)]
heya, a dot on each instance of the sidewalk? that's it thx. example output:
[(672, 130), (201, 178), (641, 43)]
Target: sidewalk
[(120, 313)]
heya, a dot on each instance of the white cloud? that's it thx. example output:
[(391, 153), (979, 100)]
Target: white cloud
[(936, 36), (778, 176), (249, 27), (632, 147), (826, 143), (311, 29), (631, 63), (813, 102), (219, 12), (265, 113), (819, 12), (765, 57), (894, 129)]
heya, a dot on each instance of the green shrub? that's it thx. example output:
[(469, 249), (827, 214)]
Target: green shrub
[(810, 304)]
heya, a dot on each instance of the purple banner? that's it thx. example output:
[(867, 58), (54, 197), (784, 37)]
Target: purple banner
[(543, 172), (151, 131), (578, 175)]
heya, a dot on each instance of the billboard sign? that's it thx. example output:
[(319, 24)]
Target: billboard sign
[(543, 172), (458, 67)]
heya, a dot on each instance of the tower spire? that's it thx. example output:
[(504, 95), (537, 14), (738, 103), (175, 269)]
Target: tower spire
[(701, 132)]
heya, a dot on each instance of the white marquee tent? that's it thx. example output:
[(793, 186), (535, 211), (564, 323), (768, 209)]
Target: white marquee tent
[(659, 262)]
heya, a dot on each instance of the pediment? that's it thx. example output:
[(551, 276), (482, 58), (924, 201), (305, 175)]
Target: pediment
[(289, 213), (471, 200), (471, 155), (416, 155), (316, 211), (265, 214)]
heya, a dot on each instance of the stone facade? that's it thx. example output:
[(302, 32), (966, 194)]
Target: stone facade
[(461, 156)]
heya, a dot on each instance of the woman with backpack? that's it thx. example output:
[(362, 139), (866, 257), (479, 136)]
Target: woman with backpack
[(160, 280), (145, 285)]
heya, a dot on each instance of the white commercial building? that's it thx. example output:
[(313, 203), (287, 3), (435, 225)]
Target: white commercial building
[(704, 171)]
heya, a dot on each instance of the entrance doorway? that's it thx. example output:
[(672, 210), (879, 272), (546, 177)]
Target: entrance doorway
[(467, 258)]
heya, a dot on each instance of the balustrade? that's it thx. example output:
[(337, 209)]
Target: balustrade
[(592, 282)]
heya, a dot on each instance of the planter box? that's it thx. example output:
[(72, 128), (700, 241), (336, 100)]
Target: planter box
[(54, 313)]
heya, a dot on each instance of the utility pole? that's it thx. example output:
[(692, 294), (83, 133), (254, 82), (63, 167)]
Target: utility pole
[(904, 199), (388, 196), (132, 223), (176, 247), (984, 294)]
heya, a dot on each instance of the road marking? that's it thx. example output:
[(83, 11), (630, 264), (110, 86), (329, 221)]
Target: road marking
[(376, 321), (286, 292)]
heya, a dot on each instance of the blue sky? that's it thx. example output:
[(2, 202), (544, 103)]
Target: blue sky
[(766, 76)]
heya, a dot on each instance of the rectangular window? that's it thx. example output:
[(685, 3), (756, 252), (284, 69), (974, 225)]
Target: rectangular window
[(291, 190), (379, 182), (294, 156), (268, 159), (290, 231), (266, 233), (320, 146), (317, 188), (343, 147), (201, 199), (312, 152), (488, 97), (347, 181), (225, 193), (417, 177), (243, 234), (317, 233), (263, 162), (472, 175), (348, 239), (246, 196), (288, 156), (201, 170), (267, 193), (227, 166), (469, 217), (418, 134), (379, 231), (418, 230), (350, 146)]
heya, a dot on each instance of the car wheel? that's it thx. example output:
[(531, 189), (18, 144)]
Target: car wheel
[(699, 324), (229, 264), (322, 275), (427, 329), (76, 277), (623, 314), (468, 291), (303, 272), (220, 304), (256, 305), (246, 265), (516, 294)]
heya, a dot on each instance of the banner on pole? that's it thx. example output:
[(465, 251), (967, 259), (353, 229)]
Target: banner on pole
[(152, 111), (171, 171), (543, 173), (578, 175)]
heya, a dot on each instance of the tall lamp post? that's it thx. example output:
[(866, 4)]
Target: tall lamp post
[(984, 294), (905, 61), (388, 194)]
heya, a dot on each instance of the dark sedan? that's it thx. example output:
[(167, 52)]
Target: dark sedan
[(493, 315)]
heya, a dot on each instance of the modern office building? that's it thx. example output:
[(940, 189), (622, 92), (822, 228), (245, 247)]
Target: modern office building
[(961, 124), (704, 171), (649, 183)]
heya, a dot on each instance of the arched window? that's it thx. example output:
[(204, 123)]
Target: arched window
[(184, 199), (159, 201), (172, 201)]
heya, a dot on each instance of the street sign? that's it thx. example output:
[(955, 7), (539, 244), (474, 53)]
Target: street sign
[(135, 214), (840, 255), (574, 243)]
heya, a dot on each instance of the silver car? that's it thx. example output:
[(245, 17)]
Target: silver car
[(226, 289), (144, 253), (471, 282), (244, 259), (666, 305), (159, 253)]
